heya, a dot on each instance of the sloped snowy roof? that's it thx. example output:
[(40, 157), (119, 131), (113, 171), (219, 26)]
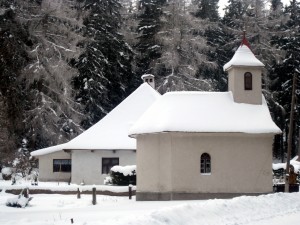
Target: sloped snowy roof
[(204, 112), (48, 150), (112, 131), (243, 57)]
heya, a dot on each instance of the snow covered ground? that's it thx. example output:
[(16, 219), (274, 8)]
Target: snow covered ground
[(55, 209), (59, 186), (47, 209)]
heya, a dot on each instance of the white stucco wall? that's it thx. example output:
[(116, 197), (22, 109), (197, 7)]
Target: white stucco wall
[(236, 85), (46, 167), (170, 162), (155, 161), (87, 164)]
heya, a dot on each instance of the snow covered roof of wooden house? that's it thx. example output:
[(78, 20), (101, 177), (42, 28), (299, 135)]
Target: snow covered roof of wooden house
[(205, 112), (111, 132)]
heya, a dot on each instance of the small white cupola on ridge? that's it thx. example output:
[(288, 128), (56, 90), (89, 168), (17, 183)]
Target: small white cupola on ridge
[(150, 79), (244, 75)]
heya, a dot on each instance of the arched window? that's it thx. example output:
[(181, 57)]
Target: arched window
[(248, 81), (205, 163)]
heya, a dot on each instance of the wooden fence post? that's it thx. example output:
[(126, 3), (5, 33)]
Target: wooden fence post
[(130, 191), (26, 193), (78, 193), (94, 196)]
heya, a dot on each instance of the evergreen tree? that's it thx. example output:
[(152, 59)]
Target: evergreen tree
[(183, 51), (221, 44), (13, 58), (207, 9), (129, 13), (282, 73), (52, 116), (234, 12), (276, 16), (217, 40), (148, 47), (105, 65), (276, 6), (36, 44)]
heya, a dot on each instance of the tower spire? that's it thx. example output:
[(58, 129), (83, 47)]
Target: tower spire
[(245, 41)]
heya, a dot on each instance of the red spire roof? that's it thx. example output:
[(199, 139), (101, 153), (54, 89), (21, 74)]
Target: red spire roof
[(245, 41)]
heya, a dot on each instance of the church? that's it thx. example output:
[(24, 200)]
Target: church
[(201, 145)]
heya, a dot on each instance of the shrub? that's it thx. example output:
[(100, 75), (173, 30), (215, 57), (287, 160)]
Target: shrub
[(123, 175), (6, 173), (21, 201)]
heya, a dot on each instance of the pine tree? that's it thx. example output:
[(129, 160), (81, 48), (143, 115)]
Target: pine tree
[(39, 37), (52, 116), (128, 28), (221, 43), (234, 12), (183, 51), (217, 40), (105, 65), (283, 71), (276, 15), (207, 9), (148, 47), (276, 7), (13, 59)]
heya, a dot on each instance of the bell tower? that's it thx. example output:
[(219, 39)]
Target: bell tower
[(244, 75)]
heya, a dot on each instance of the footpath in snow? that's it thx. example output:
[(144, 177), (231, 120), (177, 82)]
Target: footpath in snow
[(45, 209)]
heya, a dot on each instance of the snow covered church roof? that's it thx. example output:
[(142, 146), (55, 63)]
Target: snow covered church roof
[(204, 112), (243, 57), (111, 132)]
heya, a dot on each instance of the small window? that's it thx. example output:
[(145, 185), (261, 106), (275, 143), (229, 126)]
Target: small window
[(248, 81), (205, 163), (151, 80), (62, 165), (108, 163)]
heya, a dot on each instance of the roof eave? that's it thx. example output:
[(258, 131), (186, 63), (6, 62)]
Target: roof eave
[(98, 149), (200, 132), (241, 66)]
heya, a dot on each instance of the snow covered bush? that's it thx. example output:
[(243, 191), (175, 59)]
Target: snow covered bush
[(123, 175), (21, 201), (18, 202), (22, 163), (34, 175), (6, 173), (107, 180)]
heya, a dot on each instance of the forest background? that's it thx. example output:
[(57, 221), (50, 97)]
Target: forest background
[(64, 64)]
